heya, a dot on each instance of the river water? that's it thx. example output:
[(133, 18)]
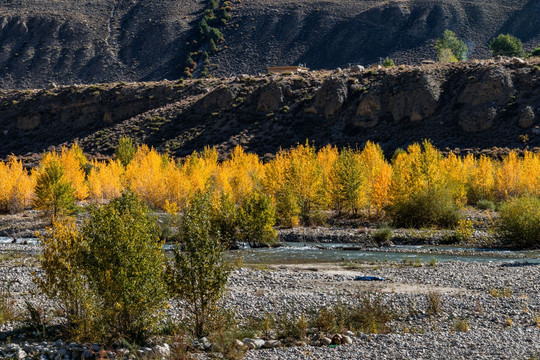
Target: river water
[(311, 253), (324, 252)]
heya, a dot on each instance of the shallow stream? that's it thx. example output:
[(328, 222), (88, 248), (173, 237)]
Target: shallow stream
[(326, 252)]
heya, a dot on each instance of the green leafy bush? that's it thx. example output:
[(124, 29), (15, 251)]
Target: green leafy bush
[(54, 194), (484, 204), (256, 218), (109, 277), (124, 263), (519, 221), (382, 235), (125, 150), (371, 315), (536, 52), (224, 221), (506, 45), (292, 326), (431, 207), (450, 41), (388, 62), (7, 308), (63, 277), (199, 273)]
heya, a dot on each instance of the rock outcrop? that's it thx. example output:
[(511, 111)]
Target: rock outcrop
[(471, 105)]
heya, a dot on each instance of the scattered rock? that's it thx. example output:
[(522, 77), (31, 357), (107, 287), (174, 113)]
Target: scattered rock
[(253, 343), (357, 68), (268, 344), (163, 350), (326, 341)]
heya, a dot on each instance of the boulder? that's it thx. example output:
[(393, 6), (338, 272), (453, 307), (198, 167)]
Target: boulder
[(163, 350), (270, 98), (494, 86), (253, 343), (337, 339), (368, 111), (526, 117), (326, 341), (330, 97), (346, 340), (357, 68), (269, 344), (219, 98), (416, 100)]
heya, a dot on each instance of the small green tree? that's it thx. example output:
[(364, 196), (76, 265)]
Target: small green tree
[(519, 222), (125, 150), (256, 217), (224, 219), (199, 272), (54, 194), (124, 263), (349, 176), (63, 277), (449, 41), (506, 45), (536, 52), (388, 62)]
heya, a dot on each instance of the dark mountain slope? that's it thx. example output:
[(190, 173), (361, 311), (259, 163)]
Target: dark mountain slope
[(76, 41)]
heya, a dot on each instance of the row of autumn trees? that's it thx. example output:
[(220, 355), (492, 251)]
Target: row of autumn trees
[(297, 186)]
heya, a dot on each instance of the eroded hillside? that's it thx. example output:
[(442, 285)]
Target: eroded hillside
[(72, 42), (471, 106)]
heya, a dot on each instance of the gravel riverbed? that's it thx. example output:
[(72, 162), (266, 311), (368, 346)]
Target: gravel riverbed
[(500, 302)]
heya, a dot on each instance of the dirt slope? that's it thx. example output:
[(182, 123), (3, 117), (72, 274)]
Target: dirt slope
[(75, 41)]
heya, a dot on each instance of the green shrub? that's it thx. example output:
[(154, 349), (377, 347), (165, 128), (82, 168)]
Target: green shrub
[(382, 235), (7, 308), (109, 277), (506, 45), (292, 326), (370, 316), (519, 221), (54, 194), (255, 219), (432, 207), (451, 42), (485, 204), (462, 325), (536, 52), (388, 63), (199, 273), (434, 303), (123, 261), (125, 150), (224, 221), (63, 277)]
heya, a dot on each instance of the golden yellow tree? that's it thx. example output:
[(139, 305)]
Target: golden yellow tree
[(105, 180), (16, 186)]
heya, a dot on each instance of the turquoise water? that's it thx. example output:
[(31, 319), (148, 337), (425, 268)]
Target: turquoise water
[(308, 253), (319, 253)]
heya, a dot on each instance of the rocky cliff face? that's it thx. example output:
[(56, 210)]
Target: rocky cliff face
[(471, 106), (75, 41)]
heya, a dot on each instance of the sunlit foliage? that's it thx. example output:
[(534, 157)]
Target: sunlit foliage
[(302, 183), (16, 186)]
